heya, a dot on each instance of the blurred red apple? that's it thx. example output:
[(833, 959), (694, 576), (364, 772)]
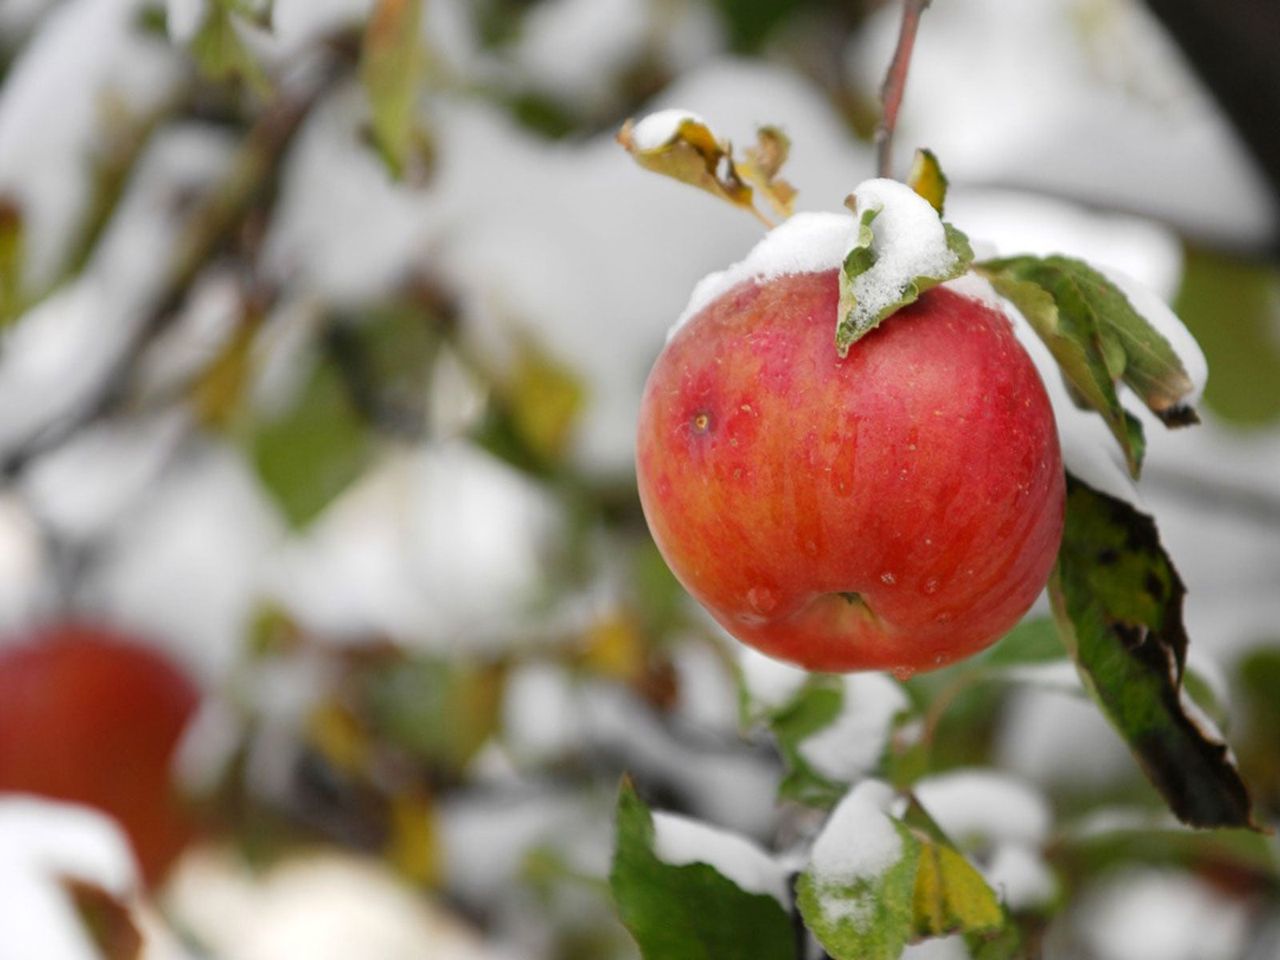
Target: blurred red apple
[(89, 716), (897, 509)]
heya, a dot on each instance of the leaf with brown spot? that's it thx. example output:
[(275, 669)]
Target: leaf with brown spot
[(1117, 600)]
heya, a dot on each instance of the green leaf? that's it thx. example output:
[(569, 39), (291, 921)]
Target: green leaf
[(1030, 642), (221, 52), (1118, 602), (815, 708), (442, 711), (691, 911), (1098, 338), (927, 179), (867, 297), (1232, 307), (391, 64), (312, 451)]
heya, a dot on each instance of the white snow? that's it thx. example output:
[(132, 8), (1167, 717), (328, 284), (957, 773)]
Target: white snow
[(908, 239), (185, 562), (679, 841), (938, 948), (539, 717), (1014, 222), (41, 842), (51, 116), (659, 128), (851, 745), (1061, 740), (1156, 311), (1020, 876), (322, 905), (1101, 107), (183, 18), (1143, 912), (804, 243), (438, 545), (858, 841), (25, 567), (604, 35), (771, 684), (986, 803)]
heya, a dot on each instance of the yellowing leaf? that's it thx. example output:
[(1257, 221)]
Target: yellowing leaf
[(413, 846), (950, 895), (337, 734), (217, 392), (682, 146), (545, 398), (391, 64), (11, 257), (761, 166), (927, 179), (615, 648)]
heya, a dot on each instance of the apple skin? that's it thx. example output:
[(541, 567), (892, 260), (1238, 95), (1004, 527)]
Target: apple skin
[(897, 509), (89, 716)]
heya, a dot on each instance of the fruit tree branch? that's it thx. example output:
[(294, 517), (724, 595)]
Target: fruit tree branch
[(895, 82)]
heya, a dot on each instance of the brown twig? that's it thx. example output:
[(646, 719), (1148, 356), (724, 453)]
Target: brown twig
[(895, 82)]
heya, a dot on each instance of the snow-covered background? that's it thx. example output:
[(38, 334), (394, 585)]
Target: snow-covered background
[(364, 467)]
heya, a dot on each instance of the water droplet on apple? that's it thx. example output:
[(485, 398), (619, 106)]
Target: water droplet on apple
[(902, 674), (931, 585), (762, 599), (942, 618), (888, 578)]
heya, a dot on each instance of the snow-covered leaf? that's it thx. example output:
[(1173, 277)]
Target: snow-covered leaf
[(1118, 602), (902, 248), (391, 62), (680, 145), (688, 891), (874, 883)]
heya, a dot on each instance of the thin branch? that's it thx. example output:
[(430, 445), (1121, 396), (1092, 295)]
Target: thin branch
[(205, 234), (895, 82)]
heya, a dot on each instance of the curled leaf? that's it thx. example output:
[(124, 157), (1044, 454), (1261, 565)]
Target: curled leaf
[(761, 167), (680, 145)]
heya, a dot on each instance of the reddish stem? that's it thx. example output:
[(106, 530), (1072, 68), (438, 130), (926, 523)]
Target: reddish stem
[(895, 82)]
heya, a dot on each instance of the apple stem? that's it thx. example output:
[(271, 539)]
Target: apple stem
[(895, 82)]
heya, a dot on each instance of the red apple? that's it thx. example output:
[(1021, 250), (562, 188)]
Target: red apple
[(897, 509), (91, 717)]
